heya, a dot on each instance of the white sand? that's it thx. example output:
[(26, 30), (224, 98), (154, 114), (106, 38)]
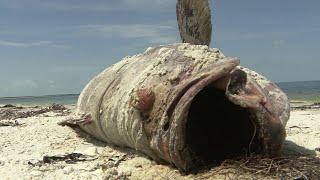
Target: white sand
[(40, 136)]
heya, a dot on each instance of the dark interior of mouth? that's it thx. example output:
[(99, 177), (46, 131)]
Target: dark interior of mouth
[(217, 129)]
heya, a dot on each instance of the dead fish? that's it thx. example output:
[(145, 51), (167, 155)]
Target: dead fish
[(148, 102), (185, 104)]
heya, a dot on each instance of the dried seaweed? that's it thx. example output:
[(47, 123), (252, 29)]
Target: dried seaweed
[(289, 167), (13, 114), (8, 106), (67, 158), (308, 106)]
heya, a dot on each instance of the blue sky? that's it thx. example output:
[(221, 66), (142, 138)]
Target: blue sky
[(57, 46)]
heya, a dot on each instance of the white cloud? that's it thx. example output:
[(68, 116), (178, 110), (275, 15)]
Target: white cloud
[(153, 33), (119, 5), (61, 46), (147, 3), (41, 43), (98, 6), (128, 31), (12, 44), (32, 44), (81, 7)]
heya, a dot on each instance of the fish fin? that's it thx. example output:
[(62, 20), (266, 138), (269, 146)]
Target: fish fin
[(194, 21)]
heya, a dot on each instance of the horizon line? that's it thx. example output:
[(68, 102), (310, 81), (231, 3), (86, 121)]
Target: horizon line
[(48, 95)]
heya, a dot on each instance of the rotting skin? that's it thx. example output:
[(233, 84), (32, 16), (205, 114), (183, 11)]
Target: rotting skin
[(143, 101)]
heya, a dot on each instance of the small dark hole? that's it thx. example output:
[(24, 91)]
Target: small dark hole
[(166, 126)]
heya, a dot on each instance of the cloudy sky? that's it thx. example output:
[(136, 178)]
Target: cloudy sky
[(57, 46)]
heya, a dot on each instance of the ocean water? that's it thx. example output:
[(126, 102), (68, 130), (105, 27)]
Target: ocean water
[(302, 91), (41, 100)]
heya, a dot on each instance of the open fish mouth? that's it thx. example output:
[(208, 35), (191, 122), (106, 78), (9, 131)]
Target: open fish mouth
[(222, 115)]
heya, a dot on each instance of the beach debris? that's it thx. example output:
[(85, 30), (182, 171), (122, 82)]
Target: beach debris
[(67, 158), (7, 114), (286, 167), (8, 106), (110, 163), (185, 104), (315, 105), (299, 127), (5, 118), (114, 161), (12, 113)]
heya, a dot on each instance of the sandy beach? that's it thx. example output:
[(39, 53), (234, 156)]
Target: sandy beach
[(35, 146)]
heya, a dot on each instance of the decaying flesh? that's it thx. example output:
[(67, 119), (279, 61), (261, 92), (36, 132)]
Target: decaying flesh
[(187, 105)]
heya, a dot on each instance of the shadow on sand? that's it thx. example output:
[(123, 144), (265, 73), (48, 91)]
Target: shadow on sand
[(292, 149)]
